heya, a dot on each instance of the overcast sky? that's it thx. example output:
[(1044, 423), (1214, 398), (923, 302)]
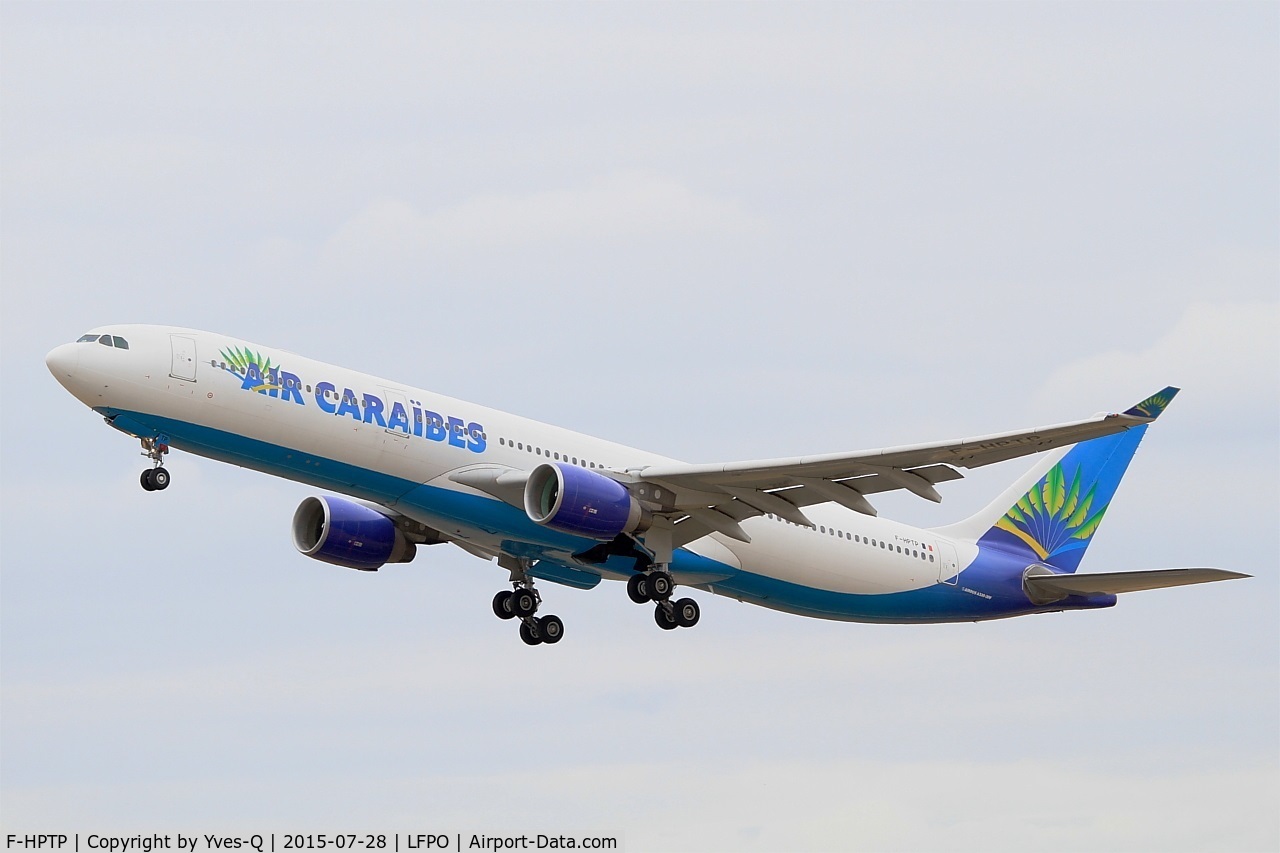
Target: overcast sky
[(716, 232)]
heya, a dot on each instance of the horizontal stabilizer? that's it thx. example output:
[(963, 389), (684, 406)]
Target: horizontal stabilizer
[(1055, 587)]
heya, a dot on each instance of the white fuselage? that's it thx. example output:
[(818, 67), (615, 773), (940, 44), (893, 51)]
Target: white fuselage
[(397, 445)]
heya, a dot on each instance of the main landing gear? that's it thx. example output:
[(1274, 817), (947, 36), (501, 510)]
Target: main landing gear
[(522, 603), (654, 583), (657, 586), (155, 479)]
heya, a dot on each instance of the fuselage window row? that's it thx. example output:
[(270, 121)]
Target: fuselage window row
[(538, 451), (862, 540)]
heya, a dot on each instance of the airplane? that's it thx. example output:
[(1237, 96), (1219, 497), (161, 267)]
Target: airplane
[(796, 534)]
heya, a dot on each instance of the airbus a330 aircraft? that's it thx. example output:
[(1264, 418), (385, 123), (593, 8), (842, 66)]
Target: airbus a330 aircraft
[(796, 534)]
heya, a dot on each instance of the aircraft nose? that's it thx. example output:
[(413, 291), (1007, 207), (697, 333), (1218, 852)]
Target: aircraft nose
[(62, 362)]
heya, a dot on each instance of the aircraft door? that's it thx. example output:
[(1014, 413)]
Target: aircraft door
[(184, 358), (948, 565), (398, 414)]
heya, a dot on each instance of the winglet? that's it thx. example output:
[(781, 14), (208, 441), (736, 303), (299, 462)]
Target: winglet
[(1151, 407)]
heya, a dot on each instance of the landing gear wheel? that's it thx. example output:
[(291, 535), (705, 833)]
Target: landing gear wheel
[(638, 588), (524, 603), (687, 613), (660, 586), (530, 633), (664, 621), (159, 479), (551, 629), (145, 479), (502, 605)]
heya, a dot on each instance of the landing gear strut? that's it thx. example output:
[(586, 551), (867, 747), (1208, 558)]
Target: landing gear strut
[(522, 603), (155, 479), (656, 584)]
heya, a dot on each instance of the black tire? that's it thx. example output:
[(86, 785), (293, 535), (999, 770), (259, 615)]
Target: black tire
[(687, 613), (664, 621), (524, 603), (159, 479), (551, 629), (502, 605), (660, 586), (529, 633), (638, 588), (145, 479)]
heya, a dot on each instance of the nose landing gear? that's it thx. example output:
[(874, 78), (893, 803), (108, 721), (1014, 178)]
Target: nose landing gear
[(155, 479)]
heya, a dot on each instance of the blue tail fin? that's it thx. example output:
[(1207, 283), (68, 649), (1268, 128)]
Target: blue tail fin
[(1057, 507)]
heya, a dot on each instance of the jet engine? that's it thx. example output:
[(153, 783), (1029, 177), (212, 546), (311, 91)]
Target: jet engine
[(580, 501), (349, 534)]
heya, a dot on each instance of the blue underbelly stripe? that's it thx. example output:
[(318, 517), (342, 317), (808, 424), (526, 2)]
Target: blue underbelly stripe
[(938, 603)]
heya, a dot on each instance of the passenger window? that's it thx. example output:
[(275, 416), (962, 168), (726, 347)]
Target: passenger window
[(120, 342), (105, 340), (822, 529)]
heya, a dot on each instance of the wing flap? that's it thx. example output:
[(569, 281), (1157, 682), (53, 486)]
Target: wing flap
[(963, 452), (783, 486)]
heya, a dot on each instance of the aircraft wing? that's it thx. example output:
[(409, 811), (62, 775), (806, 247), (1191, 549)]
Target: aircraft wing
[(716, 497), (1056, 587)]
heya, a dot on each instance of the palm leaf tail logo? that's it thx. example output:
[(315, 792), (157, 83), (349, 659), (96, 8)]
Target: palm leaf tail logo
[(1051, 516)]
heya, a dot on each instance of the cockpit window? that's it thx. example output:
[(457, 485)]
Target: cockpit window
[(106, 340)]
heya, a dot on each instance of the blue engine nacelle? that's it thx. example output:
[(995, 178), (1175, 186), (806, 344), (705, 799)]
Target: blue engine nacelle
[(348, 534), (578, 501)]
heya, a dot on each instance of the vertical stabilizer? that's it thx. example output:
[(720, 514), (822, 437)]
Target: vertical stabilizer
[(1052, 512)]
